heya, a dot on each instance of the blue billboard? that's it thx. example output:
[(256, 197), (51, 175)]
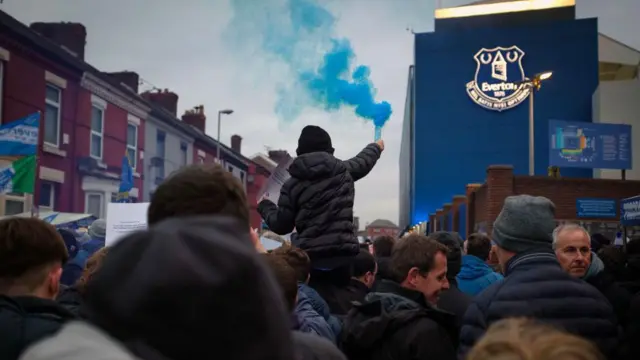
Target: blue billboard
[(596, 208), (589, 145)]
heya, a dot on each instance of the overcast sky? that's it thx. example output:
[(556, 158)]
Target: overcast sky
[(180, 45)]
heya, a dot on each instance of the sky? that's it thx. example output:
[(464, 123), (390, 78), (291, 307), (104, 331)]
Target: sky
[(185, 46)]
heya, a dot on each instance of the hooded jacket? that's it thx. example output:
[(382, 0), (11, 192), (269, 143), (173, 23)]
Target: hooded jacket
[(186, 287), (309, 321), (318, 201), (398, 323), (475, 275), (25, 320)]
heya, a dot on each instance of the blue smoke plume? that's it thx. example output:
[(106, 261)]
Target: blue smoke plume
[(301, 34)]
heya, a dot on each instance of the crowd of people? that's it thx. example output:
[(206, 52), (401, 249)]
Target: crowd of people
[(198, 284)]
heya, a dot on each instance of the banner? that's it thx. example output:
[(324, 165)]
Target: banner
[(20, 137), (630, 211), (271, 189), (589, 145), (19, 176)]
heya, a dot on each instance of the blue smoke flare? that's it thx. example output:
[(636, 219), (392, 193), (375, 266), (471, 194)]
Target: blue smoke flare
[(301, 34)]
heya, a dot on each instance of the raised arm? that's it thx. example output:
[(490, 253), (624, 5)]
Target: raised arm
[(279, 218), (360, 165)]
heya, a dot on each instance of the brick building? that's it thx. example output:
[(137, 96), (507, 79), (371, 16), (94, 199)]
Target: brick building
[(381, 227), (479, 207), (91, 119)]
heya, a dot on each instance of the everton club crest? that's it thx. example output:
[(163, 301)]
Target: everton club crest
[(498, 81)]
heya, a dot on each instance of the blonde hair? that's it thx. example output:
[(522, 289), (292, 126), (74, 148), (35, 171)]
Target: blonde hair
[(93, 264), (524, 339)]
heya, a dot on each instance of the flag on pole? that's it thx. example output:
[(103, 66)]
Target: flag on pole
[(20, 137), (126, 181), (20, 176)]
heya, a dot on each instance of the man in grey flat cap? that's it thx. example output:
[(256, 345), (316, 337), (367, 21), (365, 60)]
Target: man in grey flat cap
[(535, 286)]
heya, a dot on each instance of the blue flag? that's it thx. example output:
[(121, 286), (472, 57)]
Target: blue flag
[(126, 181), (20, 137)]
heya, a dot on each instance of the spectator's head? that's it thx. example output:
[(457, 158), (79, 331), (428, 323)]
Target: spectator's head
[(633, 246), (419, 263), (314, 139), (91, 267), (523, 339), (383, 245), (524, 224), (98, 229), (200, 189), (479, 245), (453, 243), (365, 268), (614, 260), (286, 277), (297, 259), (196, 272), (70, 242), (32, 254), (572, 245)]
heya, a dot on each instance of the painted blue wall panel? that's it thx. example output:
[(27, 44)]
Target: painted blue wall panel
[(456, 139)]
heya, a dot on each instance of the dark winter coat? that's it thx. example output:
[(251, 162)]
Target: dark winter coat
[(454, 301), (398, 323), (25, 320), (384, 271), (308, 320), (71, 299), (618, 296), (321, 307), (318, 201), (536, 286), (357, 290)]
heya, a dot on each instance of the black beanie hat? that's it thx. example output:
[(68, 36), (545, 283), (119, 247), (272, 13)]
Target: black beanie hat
[(314, 139)]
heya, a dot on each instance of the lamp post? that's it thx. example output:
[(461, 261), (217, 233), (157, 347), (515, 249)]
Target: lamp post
[(225, 112), (534, 85)]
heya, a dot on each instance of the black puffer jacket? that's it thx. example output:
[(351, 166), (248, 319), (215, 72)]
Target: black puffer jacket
[(318, 201), (398, 323), (25, 320), (536, 286)]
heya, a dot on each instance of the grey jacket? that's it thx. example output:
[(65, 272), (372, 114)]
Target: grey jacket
[(78, 341)]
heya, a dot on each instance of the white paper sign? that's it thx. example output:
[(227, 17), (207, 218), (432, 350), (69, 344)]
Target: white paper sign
[(280, 175), (123, 219)]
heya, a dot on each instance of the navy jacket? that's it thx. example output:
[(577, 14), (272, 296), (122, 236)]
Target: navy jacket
[(535, 286)]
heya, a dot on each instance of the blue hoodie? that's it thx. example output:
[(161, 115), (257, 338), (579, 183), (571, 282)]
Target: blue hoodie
[(475, 275)]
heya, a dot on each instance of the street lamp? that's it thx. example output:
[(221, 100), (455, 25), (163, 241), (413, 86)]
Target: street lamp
[(225, 112), (534, 85)]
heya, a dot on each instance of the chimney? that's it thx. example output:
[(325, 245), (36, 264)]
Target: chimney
[(236, 143), (195, 117), (128, 78), (70, 36), (165, 99)]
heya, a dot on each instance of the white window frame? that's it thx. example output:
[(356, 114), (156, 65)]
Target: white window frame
[(15, 198), (184, 153), (133, 147), (93, 132), (59, 113), (52, 197), (87, 194)]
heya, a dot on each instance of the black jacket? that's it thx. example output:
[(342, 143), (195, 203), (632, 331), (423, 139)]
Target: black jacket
[(398, 323), (318, 201), (535, 286), (71, 299), (25, 320), (454, 301), (384, 271)]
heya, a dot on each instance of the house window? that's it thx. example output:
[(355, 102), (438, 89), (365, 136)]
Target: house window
[(47, 196), (160, 152), (53, 106), (230, 168), (93, 203), (242, 177), (132, 144), (200, 159), (97, 131), (14, 203), (183, 154)]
